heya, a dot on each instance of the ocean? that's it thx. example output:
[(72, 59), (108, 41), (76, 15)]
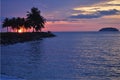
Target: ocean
[(68, 56)]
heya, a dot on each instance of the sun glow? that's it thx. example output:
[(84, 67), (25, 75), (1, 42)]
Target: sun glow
[(20, 31)]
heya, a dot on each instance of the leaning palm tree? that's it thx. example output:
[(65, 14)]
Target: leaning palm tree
[(6, 23), (36, 20)]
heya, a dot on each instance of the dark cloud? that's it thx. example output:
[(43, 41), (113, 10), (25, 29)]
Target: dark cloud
[(86, 16), (112, 4), (109, 12), (97, 14), (58, 20)]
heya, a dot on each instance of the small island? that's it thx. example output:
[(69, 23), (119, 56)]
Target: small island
[(109, 29)]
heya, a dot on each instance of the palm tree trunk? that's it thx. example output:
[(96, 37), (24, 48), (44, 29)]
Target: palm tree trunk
[(23, 30), (7, 29), (40, 29), (17, 30), (33, 29)]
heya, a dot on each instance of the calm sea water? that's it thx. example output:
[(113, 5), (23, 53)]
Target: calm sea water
[(69, 56)]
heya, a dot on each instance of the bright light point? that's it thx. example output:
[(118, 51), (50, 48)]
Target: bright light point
[(19, 31)]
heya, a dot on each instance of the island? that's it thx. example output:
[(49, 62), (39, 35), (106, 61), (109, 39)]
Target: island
[(24, 29), (13, 37), (109, 29)]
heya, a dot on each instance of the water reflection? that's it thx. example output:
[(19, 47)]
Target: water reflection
[(21, 61), (83, 57), (35, 51), (96, 58)]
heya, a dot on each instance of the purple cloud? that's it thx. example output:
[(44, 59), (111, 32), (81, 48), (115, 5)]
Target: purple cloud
[(98, 14)]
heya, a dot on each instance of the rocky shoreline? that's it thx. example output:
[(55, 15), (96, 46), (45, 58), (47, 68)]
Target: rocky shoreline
[(11, 38)]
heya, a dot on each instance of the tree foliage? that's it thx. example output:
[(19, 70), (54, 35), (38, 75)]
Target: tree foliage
[(6, 23), (34, 20)]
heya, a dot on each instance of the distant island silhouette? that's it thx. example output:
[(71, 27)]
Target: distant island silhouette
[(109, 29)]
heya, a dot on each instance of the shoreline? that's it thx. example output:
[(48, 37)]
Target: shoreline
[(12, 37)]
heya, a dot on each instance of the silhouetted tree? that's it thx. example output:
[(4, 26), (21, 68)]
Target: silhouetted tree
[(6, 23), (27, 24), (22, 23), (17, 23), (36, 20), (13, 23)]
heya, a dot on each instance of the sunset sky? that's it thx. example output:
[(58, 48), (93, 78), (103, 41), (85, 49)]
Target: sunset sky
[(68, 15)]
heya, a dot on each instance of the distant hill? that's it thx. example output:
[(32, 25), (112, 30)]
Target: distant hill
[(109, 29)]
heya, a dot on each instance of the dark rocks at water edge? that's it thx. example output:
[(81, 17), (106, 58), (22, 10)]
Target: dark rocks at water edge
[(11, 38), (109, 29)]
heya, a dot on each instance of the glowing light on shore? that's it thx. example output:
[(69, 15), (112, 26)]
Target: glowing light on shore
[(20, 31)]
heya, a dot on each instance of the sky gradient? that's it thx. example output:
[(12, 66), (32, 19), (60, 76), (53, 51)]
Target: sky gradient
[(68, 15)]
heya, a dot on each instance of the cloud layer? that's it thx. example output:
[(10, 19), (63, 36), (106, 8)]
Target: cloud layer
[(73, 14), (97, 14)]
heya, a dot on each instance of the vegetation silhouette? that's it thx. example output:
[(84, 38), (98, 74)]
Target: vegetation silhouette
[(109, 29), (6, 23), (34, 20)]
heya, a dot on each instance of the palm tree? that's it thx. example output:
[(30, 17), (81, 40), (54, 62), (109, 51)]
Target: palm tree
[(13, 23), (22, 23), (27, 24), (36, 20), (17, 23), (6, 23)]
